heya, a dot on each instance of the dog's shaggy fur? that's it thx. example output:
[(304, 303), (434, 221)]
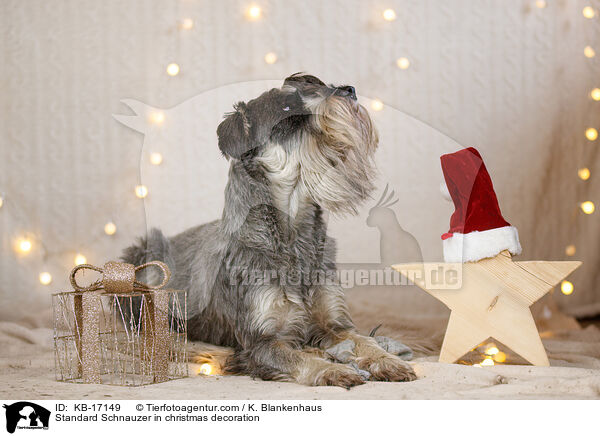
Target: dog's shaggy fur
[(262, 279)]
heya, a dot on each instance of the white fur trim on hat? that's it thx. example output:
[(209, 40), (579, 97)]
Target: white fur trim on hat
[(475, 246)]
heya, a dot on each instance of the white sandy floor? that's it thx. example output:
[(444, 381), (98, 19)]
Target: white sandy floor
[(26, 372)]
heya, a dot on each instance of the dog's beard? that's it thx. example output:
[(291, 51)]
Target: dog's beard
[(337, 165)]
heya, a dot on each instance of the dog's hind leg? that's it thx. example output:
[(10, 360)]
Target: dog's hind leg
[(278, 360)]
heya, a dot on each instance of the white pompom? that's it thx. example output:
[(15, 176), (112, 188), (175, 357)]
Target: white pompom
[(444, 191)]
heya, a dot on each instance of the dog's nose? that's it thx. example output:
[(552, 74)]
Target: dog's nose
[(349, 91)]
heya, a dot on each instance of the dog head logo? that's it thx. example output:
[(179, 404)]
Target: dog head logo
[(302, 123), (26, 415)]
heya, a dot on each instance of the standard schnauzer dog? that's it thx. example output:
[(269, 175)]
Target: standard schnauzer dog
[(295, 152)]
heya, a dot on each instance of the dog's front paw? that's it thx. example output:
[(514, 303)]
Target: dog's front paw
[(338, 375), (387, 368)]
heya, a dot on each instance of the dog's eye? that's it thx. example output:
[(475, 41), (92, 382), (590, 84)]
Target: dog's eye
[(287, 108)]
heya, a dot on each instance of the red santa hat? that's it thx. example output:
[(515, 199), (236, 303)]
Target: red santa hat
[(477, 228)]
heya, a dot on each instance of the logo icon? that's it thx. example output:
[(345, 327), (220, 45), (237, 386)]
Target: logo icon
[(26, 415)]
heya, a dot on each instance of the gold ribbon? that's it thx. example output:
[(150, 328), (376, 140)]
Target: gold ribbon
[(119, 277)]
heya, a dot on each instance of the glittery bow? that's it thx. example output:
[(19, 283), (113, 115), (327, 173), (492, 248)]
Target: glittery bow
[(119, 277)]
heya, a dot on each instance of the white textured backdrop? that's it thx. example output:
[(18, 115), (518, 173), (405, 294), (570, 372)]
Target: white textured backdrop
[(507, 77)]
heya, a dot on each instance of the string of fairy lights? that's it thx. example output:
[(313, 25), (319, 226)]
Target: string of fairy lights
[(26, 244), (591, 134), (489, 352)]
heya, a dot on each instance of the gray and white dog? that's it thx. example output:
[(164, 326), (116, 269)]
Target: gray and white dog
[(295, 151)]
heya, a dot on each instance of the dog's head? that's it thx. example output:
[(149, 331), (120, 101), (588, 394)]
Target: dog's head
[(321, 130)]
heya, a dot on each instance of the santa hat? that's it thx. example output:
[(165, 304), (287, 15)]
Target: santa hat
[(477, 228)]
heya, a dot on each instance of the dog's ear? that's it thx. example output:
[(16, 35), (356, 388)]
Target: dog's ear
[(234, 133)]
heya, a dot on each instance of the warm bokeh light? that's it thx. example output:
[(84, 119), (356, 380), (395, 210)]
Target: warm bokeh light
[(377, 105), (403, 63), (24, 245), (591, 134), (588, 12), (583, 173), (389, 15), (595, 94), (488, 361), (500, 357), (45, 278), (1, 201), (566, 287), (570, 250), (541, 4), (157, 117), (110, 228), (270, 58), (156, 158), (589, 52), (79, 259), (206, 369), (141, 191), (490, 351), (254, 12), (172, 69), (588, 207), (187, 23)]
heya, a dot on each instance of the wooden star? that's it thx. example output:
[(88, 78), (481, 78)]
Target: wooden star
[(492, 301)]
